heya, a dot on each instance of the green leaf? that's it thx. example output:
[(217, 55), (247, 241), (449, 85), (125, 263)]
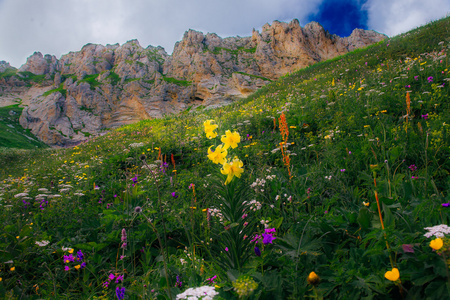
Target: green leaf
[(364, 218), (233, 274), (389, 219)]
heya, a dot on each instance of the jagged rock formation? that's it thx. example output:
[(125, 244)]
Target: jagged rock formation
[(106, 86)]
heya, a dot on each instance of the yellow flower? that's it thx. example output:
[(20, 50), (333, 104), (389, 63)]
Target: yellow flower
[(232, 169), (217, 156), (393, 275), (12, 269), (436, 244), (313, 278), (230, 139), (70, 250), (77, 267), (209, 129)]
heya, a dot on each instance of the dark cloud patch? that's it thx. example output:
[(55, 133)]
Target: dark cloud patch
[(340, 17)]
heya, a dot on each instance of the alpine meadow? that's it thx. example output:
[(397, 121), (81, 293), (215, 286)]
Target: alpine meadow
[(331, 182)]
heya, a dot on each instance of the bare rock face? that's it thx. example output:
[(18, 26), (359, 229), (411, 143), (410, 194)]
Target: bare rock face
[(39, 64), (101, 87)]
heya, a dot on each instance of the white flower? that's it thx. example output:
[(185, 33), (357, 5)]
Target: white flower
[(203, 292), (20, 195), (42, 243), (66, 248), (136, 145), (438, 231)]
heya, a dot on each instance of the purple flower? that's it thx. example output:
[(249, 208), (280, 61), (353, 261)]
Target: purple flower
[(342, 170), (124, 235), (120, 293), (111, 276), (268, 237), (83, 265), (134, 179), (211, 280), (446, 204), (412, 167), (106, 284), (270, 230), (226, 249), (174, 195), (430, 79), (416, 77), (425, 116), (255, 239), (66, 268), (80, 255), (257, 251), (179, 283), (119, 277)]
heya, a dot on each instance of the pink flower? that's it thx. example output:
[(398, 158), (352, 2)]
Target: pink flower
[(226, 249), (408, 248)]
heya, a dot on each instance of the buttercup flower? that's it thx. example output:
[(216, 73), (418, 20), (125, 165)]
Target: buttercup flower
[(209, 129), (313, 278), (437, 244), (393, 275), (217, 156), (230, 139), (232, 169)]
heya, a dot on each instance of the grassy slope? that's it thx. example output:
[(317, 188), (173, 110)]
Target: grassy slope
[(347, 125), (12, 134)]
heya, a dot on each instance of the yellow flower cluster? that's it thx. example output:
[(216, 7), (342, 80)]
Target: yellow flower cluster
[(209, 129), (219, 155), (244, 286)]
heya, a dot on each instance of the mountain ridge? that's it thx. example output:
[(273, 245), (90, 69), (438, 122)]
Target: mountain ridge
[(68, 99)]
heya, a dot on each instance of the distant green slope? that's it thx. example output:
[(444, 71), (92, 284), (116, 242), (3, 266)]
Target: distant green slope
[(12, 134)]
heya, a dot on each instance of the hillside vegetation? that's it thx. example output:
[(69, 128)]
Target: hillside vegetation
[(334, 185), (12, 134)]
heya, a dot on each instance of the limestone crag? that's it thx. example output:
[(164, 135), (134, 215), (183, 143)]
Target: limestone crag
[(101, 87)]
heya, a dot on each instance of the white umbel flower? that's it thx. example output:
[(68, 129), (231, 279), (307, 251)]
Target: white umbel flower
[(438, 231), (204, 293)]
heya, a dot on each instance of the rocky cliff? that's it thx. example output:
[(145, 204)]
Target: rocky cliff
[(101, 87)]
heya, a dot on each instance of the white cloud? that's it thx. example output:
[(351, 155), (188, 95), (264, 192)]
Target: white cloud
[(57, 27), (393, 17)]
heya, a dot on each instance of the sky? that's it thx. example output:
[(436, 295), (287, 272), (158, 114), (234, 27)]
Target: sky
[(58, 27)]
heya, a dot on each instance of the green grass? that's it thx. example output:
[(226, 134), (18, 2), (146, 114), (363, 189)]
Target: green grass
[(12, 134), (176, 81), (59, 89), (8, 73), (353, 157), (92, 80), (30, 77)]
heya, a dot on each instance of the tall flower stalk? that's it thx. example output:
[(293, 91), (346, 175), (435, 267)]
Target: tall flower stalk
[(285, 133)]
